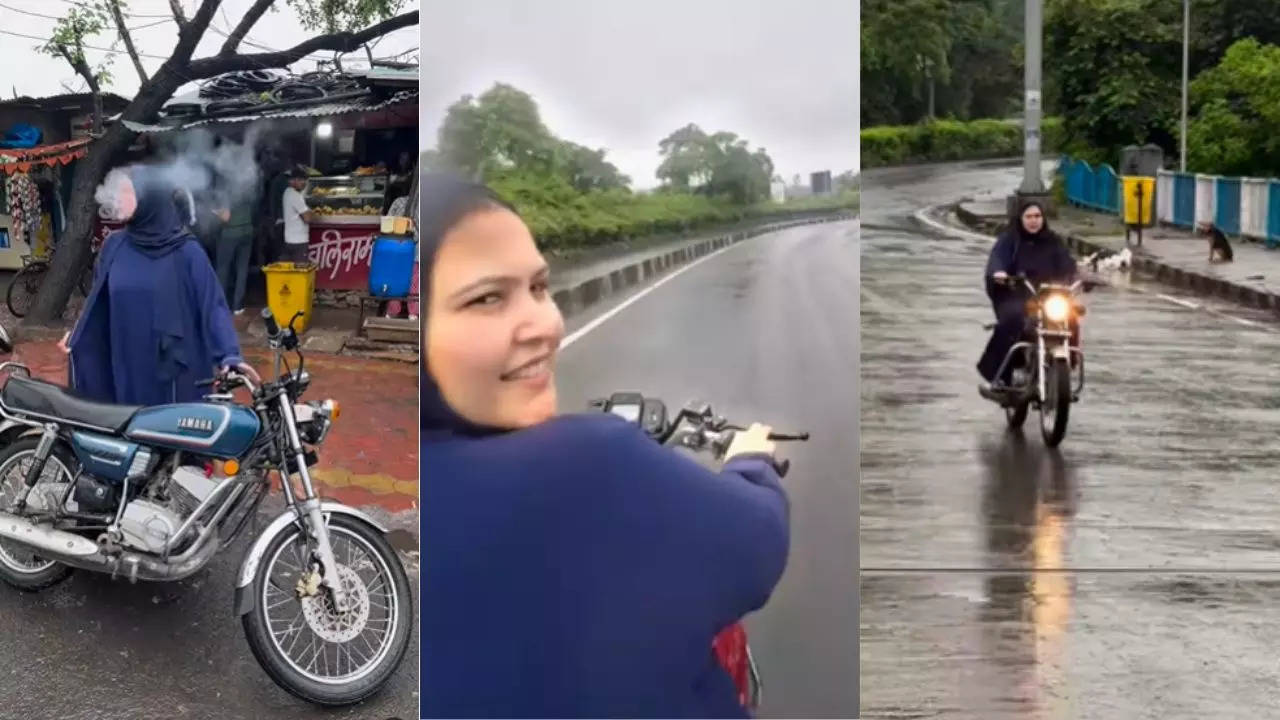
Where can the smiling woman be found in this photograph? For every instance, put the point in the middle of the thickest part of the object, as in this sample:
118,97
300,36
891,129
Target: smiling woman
571,566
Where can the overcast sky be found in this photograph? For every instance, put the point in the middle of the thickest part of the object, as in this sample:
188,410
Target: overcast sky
622,74
28,72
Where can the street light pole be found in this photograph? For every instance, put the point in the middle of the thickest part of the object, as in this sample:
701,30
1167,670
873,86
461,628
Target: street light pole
1032,184
1186,43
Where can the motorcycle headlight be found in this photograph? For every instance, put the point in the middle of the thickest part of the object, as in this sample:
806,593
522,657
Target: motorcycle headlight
1056,308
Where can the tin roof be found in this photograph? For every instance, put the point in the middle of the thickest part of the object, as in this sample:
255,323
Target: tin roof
367,103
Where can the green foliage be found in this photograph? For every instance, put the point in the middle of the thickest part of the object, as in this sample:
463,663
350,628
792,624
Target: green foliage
1237,108
76,29
967,50
1117,68
721,164
332,16
563,219
950,140
572,197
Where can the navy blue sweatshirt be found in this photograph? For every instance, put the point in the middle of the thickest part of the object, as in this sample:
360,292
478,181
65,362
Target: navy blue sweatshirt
578,569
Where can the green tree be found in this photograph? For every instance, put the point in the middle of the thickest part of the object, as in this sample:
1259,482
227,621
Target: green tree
588,170
1237,108
687,158
1116,64
500,129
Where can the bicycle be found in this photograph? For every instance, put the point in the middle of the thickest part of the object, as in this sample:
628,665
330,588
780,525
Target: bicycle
26,283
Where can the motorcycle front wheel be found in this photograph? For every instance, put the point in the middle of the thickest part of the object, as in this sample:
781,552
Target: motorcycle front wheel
1055,407
302,641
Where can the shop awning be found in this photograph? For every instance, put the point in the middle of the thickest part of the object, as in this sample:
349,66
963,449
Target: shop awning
15,161
367,103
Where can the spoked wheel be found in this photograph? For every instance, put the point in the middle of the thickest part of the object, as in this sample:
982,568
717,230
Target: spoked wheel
1056,404
21,566
23,288
300,638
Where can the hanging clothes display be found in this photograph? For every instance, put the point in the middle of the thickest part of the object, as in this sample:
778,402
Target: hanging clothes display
24,204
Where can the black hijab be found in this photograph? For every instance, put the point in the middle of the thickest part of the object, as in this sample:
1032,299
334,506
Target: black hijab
1043,233
444,201
155,227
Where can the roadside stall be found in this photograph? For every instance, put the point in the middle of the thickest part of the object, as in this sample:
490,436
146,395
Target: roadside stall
31,207
357,134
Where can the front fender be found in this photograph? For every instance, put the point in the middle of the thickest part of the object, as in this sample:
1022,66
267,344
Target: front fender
244,599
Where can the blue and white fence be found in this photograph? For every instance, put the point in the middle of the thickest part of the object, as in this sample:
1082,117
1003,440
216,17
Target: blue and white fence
1246,207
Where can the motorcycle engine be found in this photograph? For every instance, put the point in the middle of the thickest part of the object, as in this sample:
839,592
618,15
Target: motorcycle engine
147,524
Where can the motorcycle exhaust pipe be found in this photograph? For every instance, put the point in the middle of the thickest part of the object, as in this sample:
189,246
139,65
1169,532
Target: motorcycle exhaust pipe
55,542
79,552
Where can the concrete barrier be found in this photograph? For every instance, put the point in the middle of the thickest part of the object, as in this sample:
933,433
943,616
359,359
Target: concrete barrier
581,296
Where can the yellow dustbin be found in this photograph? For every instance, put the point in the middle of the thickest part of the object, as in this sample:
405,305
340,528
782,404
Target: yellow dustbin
1130,185
291,289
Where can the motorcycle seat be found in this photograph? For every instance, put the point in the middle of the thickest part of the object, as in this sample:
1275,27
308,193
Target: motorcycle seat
40,400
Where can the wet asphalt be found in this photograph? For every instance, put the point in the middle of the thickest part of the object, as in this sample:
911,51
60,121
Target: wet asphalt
765,331
93,648
1130,574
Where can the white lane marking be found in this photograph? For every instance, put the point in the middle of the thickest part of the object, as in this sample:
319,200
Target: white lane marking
582,331
922,216
1177,301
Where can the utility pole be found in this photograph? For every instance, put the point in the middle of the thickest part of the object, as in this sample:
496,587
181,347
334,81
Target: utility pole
1032,184
1186,52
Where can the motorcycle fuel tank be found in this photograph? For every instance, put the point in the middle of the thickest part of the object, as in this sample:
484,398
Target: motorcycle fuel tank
220,430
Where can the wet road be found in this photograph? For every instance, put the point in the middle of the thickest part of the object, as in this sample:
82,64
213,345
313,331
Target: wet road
764,331
1131,574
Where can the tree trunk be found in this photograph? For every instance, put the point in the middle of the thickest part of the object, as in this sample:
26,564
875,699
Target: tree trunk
97,110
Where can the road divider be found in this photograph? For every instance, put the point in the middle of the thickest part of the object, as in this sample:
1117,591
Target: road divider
583,295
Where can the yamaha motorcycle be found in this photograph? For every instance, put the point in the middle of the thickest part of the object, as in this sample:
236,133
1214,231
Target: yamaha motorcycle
698,429
1050,375
129,491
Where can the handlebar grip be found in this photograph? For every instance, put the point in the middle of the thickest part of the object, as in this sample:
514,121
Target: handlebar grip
785,437
206,381
270,321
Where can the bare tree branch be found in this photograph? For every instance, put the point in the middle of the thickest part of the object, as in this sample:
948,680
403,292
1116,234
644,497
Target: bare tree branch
128,39
337,42
82,69
178,14
260,7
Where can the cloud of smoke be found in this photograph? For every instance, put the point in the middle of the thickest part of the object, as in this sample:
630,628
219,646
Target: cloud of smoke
195,163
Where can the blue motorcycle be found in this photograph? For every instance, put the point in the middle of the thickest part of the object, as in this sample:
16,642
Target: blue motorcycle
129,491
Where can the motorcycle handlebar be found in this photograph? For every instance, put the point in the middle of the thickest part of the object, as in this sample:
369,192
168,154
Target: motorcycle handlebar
269,320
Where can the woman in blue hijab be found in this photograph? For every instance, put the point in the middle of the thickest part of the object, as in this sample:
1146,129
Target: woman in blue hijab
156,320
571,566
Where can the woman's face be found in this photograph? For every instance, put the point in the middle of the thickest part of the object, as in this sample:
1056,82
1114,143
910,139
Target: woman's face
1032,219
492,330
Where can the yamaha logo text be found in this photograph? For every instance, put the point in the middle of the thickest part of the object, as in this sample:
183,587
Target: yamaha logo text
201,424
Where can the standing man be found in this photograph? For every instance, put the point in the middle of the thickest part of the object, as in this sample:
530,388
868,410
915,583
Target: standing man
297,219
233,251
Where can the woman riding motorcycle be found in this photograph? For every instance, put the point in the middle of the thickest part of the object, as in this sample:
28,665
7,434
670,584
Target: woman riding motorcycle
1028,247
571,566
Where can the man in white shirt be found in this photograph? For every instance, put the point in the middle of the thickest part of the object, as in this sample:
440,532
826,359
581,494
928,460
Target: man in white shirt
297,219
